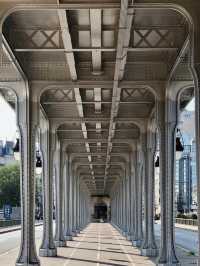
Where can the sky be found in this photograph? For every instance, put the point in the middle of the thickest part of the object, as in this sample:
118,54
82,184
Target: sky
190,106
7,121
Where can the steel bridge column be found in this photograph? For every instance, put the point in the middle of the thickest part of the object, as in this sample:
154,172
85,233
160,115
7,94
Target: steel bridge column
124,206
149,247
133,195
118,207
77,204
67,223
121,206
137,238
28,126
74,204
128,199
167,125
59,165
70,197
48,248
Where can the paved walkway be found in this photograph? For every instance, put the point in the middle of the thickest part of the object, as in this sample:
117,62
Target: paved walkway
98,245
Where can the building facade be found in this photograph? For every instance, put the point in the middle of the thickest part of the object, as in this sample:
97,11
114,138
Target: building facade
184,195
6,153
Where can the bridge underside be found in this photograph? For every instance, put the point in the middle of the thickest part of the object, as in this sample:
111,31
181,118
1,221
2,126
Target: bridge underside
99,85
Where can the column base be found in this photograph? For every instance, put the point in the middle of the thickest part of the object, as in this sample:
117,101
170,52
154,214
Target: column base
120,231
136,243
25,264
47,252
128,237
169,264
169,259
78,231
60,243
68,238
149,252
124,233
74,234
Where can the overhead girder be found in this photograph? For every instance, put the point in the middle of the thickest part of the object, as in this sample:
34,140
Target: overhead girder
118,138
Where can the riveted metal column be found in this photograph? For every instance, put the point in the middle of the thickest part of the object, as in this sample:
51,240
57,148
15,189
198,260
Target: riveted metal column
84,210
27,121
197,127
80,209
65,207
80,206
112,210
139,206
121,206
77,204
117,206
133,196
149,247
88,208
124,206
152,248
59,166
116,210
48,248
145,184
137,191
167,125
71,203
84,218
118,203
74,204
67,230
128,199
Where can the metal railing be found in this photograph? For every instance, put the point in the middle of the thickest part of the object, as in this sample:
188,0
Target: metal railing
187,221
6,223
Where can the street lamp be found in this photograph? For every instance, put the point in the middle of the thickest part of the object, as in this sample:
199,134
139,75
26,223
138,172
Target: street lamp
179,145
16,150
38,163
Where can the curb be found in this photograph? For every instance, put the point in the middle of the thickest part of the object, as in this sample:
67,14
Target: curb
189,229
15,229
182,228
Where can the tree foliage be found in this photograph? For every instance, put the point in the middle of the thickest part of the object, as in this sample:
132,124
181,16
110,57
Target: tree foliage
10,185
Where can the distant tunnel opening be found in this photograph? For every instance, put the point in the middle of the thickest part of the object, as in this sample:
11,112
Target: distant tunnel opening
100,212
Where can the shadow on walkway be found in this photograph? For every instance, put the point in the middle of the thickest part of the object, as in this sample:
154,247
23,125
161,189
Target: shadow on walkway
91,261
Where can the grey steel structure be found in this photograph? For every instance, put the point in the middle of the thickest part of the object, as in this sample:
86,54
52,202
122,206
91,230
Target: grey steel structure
184,195
97,79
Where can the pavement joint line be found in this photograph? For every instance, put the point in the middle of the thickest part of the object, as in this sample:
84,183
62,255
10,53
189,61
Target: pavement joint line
123,248
8,251
99,246
75,249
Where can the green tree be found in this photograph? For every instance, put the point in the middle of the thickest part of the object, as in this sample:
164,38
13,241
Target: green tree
10,185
